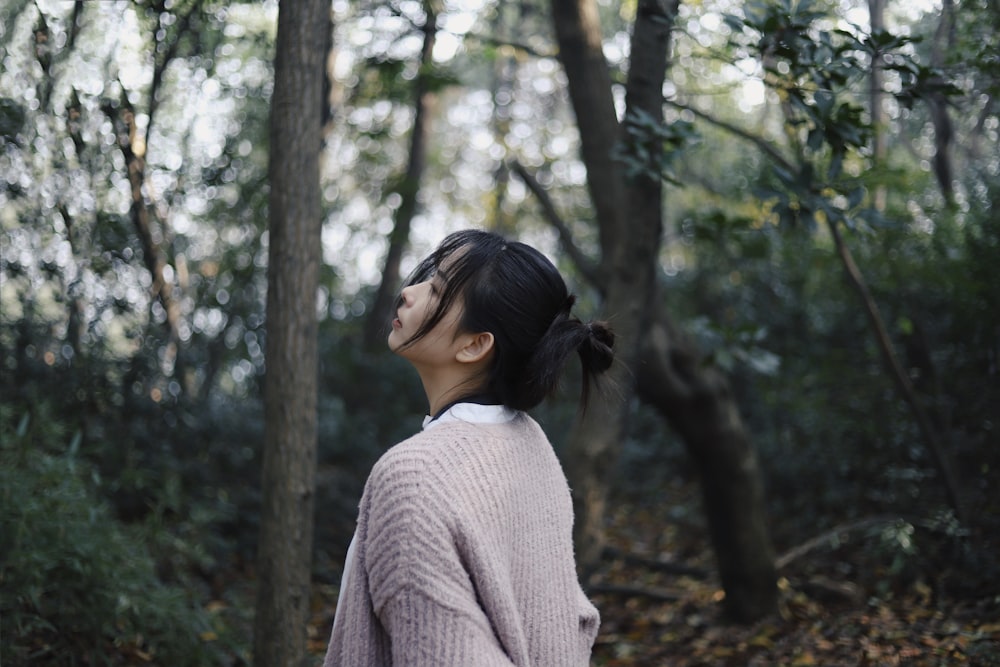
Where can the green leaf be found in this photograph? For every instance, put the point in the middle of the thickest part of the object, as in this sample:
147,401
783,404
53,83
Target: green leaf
815,139
856,196
836,164
824,101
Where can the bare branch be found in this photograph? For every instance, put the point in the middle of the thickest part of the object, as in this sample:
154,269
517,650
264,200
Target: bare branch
587,268
930,436
830,536
761,143
489,40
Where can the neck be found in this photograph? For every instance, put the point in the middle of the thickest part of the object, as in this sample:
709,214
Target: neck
443,388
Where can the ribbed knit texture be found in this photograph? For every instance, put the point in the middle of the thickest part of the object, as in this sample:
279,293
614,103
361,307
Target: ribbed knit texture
464,556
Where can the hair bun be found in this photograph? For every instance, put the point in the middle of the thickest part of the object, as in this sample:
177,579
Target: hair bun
597,347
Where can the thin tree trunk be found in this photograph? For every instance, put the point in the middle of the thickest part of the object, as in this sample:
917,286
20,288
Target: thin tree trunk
501,93
122,117
879,118
937,103
76,323
134,145
939,455
284,554
409,189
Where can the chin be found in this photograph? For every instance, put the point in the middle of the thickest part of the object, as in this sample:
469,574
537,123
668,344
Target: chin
393,341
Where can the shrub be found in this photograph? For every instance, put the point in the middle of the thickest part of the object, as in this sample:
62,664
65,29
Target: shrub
76,585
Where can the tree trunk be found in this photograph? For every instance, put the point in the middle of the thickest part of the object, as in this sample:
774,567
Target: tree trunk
937,103
594,439
879,118
581,52
284,555
409,188
700,406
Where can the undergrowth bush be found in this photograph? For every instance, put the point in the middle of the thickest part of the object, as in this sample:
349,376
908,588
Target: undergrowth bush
76,585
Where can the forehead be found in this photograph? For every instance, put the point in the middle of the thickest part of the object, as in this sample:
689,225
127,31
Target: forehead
449,260
457,260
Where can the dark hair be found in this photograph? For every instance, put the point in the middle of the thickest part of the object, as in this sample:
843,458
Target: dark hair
512,291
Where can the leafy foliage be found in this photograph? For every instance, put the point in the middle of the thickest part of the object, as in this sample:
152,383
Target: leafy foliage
76,582
816,72
651,147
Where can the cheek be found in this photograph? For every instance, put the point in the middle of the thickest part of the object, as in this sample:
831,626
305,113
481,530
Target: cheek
427,311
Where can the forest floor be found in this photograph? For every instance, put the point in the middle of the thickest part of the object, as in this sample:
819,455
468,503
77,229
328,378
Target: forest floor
855,595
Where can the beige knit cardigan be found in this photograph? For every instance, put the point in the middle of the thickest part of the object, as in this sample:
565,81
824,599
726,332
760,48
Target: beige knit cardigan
463,556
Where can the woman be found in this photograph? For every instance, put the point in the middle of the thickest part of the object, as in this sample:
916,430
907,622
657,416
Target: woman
463,551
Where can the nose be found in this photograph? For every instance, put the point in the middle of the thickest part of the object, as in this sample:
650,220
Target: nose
405,296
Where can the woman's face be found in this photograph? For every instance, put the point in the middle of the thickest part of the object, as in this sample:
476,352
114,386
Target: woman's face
417,303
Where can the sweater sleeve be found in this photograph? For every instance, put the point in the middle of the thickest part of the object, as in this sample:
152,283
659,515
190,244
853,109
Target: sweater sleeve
420,588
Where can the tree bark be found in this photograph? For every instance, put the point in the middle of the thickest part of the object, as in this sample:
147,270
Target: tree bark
581,52
879,118
937,104
284,555
696,401
595,437
409,188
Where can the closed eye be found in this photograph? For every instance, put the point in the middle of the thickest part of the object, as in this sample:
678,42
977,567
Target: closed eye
438,282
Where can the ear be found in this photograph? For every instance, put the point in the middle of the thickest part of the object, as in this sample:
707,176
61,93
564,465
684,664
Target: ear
475,348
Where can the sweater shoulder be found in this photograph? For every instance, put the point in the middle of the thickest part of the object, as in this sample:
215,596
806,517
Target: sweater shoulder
406,467
434,461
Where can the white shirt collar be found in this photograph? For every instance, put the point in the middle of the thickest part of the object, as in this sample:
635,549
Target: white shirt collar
473,413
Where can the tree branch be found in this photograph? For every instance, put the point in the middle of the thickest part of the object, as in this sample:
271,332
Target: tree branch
762,144
122,118
587,268
496,41
898,374
834,533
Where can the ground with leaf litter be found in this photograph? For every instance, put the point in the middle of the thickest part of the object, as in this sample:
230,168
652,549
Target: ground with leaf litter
854,595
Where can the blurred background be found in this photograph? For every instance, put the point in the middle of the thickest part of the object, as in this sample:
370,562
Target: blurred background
799,140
